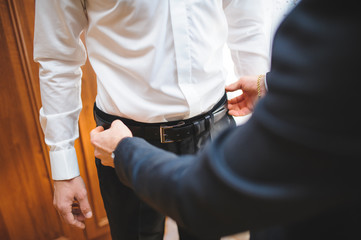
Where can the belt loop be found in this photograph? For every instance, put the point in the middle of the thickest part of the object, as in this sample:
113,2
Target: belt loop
197,128
209,121
211,124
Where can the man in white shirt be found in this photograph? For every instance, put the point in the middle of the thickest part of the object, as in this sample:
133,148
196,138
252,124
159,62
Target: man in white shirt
159,67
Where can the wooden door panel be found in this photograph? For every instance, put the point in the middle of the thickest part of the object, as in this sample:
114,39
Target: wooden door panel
26,210
26,202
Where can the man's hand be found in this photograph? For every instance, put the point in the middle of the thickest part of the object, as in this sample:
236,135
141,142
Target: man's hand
244,104
71,201
105,141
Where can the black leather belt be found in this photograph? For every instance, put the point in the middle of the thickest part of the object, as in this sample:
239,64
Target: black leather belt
168,132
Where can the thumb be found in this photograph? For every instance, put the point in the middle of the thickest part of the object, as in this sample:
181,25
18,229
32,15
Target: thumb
117,123
94,133
233,86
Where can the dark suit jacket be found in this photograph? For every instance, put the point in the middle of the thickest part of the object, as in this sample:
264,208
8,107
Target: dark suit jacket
293,170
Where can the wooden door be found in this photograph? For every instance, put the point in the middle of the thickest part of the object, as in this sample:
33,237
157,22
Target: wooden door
26,187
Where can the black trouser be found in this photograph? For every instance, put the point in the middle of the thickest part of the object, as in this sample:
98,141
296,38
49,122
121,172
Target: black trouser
129,217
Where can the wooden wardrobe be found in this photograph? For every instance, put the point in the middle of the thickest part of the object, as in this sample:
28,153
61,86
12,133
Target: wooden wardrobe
26,187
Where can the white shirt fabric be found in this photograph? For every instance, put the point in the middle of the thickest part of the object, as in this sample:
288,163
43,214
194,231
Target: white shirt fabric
155,61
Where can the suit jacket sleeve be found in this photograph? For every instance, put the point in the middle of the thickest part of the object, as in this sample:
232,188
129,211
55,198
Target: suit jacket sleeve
298,154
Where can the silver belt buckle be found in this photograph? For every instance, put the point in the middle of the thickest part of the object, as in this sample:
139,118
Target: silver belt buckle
163,134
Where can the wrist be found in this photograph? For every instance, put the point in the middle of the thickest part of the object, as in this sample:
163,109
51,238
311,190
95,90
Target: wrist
121,140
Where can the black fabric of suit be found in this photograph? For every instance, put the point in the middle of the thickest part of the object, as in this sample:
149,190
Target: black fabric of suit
293,170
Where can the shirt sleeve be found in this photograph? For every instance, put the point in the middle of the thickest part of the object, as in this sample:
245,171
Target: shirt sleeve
60,53
249,40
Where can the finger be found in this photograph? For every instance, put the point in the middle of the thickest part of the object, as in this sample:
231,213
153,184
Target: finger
96,130
80,217
70,219
236,99
235,113
85,208
233,87
97,153
107,161
238,107
234,108
239,112
94,133
66,212
232,113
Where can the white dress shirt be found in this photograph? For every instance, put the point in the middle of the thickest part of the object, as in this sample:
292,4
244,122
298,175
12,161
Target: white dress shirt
155,61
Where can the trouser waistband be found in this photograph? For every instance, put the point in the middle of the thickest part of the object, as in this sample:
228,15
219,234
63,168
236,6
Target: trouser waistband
167,132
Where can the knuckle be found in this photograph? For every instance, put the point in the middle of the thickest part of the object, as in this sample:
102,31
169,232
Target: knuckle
96,153
61,208
72,222
57,205
104,162
92,138
85,209
82,194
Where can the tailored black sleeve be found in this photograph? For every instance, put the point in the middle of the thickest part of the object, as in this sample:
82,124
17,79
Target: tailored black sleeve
233,185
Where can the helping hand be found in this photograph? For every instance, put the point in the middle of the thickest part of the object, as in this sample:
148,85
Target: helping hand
105,141
244,104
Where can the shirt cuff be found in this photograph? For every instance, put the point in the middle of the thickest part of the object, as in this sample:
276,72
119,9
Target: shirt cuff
64,164
265,82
